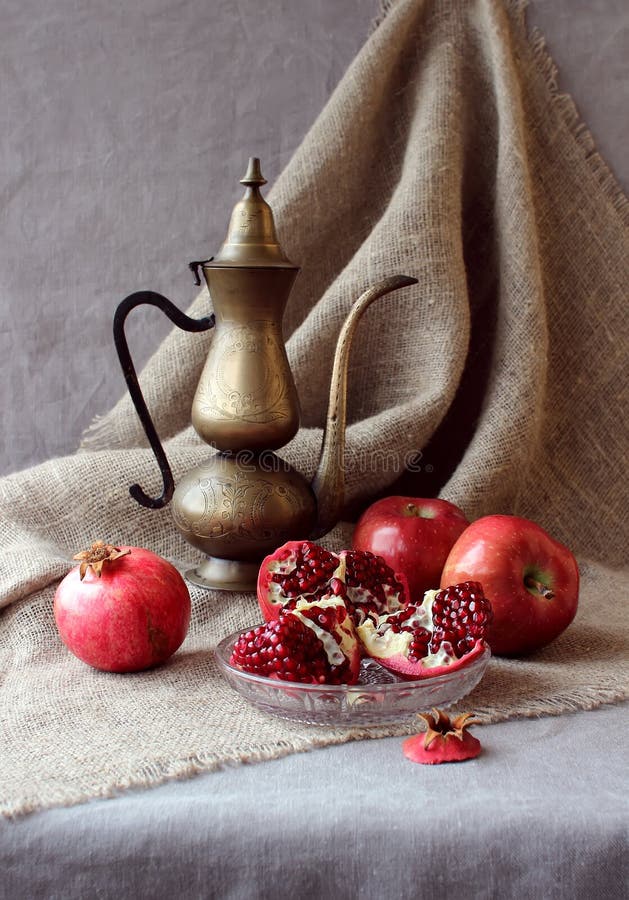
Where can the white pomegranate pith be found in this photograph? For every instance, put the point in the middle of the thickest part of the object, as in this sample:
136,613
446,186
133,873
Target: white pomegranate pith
334,652
383,642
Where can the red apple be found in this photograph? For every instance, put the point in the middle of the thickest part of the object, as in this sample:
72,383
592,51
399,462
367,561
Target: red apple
531,580
413,535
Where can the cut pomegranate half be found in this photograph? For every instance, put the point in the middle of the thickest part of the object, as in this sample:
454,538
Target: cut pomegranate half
304,570
461,615
312,643
297,569
445,633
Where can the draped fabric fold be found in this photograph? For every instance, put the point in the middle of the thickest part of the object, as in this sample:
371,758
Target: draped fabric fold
445,153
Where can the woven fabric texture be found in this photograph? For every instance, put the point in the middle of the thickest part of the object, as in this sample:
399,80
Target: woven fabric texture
445,153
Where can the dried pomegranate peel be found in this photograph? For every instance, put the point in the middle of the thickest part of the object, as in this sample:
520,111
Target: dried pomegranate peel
445,740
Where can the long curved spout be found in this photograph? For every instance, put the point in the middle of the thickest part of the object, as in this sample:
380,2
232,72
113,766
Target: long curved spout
329,482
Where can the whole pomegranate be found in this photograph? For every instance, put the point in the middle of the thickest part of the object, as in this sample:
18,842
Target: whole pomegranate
123,609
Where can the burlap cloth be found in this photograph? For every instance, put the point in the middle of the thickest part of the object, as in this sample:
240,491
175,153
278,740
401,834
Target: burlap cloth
445,153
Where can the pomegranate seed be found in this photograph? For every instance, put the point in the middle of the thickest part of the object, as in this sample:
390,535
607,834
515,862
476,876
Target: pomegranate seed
461,615
371,584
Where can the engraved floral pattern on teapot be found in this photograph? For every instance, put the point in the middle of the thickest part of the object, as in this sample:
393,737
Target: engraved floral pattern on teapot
221,393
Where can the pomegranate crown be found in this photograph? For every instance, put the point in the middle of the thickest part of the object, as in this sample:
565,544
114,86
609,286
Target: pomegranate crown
440,725
96,557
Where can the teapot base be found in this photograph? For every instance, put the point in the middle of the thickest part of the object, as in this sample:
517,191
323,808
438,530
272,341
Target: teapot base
224,574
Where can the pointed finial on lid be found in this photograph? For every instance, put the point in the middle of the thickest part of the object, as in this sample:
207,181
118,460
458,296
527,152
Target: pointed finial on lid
251,238
253,177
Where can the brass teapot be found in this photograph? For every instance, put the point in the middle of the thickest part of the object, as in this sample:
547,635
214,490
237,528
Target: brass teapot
245,501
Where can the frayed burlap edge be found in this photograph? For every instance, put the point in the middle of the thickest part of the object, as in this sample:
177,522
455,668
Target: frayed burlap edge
203,763
566,106
561,101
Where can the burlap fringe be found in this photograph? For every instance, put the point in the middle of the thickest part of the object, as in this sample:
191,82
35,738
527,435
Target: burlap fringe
178,770
566,106
385,7
95,436
204,763
562,102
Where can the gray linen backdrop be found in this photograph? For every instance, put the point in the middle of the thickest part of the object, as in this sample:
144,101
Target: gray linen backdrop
445,153
112,180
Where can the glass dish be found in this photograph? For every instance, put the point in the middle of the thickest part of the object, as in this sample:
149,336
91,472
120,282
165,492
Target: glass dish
379,698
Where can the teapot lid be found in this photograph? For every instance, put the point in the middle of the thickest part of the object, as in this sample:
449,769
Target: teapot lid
251,239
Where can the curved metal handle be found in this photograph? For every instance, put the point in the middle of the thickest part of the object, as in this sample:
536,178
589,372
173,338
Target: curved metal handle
181,320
